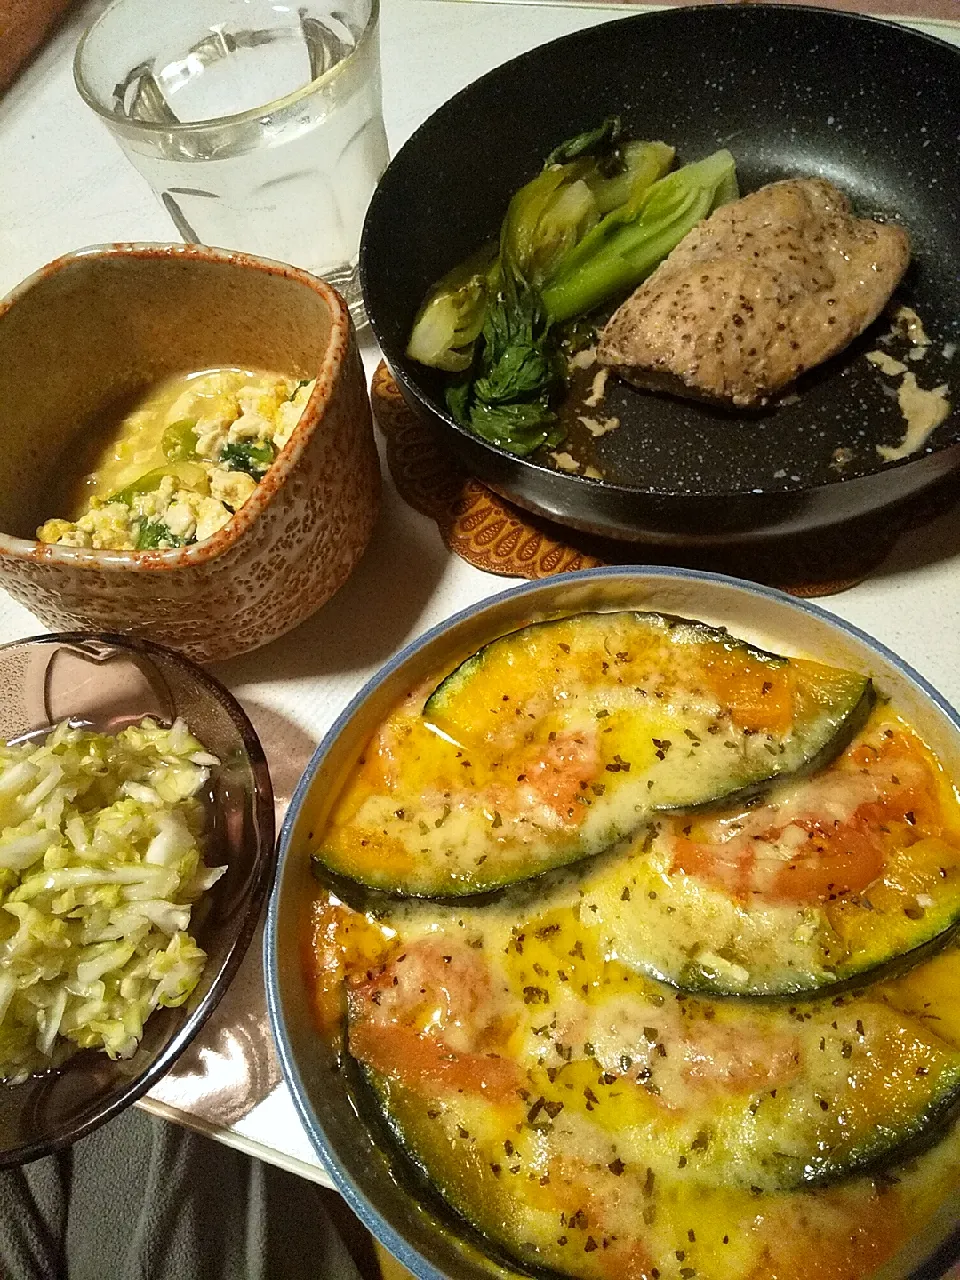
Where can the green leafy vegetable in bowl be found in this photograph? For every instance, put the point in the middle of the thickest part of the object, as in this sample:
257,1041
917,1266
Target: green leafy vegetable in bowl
590,227
100,865
179,441
152,534
252,456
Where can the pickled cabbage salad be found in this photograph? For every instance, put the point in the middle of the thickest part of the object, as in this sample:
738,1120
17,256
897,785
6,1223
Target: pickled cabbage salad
100,864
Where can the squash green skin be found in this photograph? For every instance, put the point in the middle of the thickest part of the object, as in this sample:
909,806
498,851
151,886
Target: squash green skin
872,1083
474,855
447,1166
456,1173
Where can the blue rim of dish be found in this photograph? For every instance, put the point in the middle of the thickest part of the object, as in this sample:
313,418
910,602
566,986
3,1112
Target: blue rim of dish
946,1253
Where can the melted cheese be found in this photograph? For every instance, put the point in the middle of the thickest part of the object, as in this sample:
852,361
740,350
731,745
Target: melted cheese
597,388
554,743
556,1097
590,1118
579,1111
907,324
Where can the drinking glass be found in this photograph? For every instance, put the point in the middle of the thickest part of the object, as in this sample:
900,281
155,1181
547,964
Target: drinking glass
258,124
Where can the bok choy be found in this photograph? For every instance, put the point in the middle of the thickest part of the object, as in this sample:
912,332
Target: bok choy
592,225
621,251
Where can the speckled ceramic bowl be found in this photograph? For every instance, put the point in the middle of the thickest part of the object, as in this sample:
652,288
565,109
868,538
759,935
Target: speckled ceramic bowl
95,327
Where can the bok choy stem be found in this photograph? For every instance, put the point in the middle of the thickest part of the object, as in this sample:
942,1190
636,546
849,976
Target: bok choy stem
593,224
621,251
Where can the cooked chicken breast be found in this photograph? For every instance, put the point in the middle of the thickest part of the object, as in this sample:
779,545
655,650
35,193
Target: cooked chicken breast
762,290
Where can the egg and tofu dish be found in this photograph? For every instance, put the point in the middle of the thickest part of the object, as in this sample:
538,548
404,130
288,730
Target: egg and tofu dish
178,467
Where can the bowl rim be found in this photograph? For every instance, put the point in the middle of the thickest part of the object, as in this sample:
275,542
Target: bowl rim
327,380
399,363
264,819
364,1208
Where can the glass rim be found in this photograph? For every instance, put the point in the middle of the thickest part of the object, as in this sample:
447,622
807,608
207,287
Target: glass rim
238,118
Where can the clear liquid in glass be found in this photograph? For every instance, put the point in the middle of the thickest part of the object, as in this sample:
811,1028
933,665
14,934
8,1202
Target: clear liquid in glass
290,182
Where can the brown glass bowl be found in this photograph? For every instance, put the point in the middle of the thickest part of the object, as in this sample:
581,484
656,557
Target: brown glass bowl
87,334
107,682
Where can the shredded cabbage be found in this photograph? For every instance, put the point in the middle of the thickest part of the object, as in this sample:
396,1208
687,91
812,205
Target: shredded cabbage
100,865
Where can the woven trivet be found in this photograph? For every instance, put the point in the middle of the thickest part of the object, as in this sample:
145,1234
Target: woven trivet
492,534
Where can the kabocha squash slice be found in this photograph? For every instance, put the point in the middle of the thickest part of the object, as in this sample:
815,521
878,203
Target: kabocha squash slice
552,1095
554,742
826,879
671,1226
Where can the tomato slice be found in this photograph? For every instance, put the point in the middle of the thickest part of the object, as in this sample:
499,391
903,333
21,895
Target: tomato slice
562,768
433,1020
426,1064
849,1234
740,1058
630,1261
817,857
832,861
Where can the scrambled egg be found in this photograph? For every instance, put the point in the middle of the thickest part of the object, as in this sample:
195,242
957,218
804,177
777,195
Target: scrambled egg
185,467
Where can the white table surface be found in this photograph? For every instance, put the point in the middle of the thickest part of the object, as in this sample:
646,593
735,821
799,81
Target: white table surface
64,184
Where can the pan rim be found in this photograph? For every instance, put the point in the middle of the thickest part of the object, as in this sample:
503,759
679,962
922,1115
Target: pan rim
425,405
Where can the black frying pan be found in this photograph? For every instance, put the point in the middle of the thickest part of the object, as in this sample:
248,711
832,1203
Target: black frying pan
792,92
